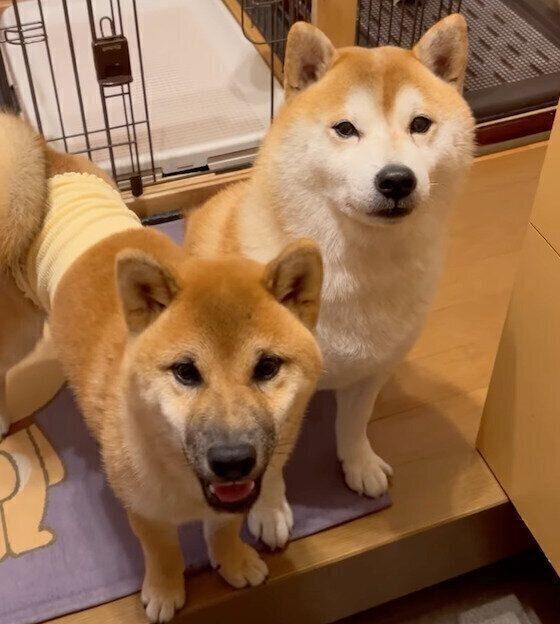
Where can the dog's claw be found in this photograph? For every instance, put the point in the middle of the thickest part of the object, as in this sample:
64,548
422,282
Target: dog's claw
367,474
242,567
271,524
161,602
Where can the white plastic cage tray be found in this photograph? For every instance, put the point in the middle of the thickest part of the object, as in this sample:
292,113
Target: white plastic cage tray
208,90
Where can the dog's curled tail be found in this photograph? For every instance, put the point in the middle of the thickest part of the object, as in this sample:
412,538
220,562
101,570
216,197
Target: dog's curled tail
23,187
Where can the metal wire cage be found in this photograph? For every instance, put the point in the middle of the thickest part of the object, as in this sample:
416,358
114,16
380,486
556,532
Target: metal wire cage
401,23
101,109
123,140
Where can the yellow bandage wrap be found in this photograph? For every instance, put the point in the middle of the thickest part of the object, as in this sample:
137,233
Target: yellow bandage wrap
83,210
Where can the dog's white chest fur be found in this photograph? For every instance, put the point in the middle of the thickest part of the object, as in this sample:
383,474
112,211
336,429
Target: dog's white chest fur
378,283
371,312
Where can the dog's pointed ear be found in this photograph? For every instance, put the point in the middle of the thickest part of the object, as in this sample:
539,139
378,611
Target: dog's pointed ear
309,54
444,49
295,278
144,286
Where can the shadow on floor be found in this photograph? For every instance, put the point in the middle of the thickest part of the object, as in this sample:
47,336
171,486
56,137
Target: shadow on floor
526,579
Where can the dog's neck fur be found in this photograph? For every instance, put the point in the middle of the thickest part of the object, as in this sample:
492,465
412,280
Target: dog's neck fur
383,276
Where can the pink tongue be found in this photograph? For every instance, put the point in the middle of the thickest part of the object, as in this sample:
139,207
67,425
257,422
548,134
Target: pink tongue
232,492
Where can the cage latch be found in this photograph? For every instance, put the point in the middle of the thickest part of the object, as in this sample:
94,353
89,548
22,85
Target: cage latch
112,60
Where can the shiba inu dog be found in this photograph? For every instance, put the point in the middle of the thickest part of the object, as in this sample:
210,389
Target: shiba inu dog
365,157
192,374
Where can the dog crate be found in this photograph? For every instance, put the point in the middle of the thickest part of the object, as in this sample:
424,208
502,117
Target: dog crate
153,91
514,60
147,90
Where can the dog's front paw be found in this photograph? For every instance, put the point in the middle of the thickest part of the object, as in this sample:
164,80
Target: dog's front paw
241,566
366,473
271,524
162,598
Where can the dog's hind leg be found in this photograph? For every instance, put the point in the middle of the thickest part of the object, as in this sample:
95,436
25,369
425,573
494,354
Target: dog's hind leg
365,472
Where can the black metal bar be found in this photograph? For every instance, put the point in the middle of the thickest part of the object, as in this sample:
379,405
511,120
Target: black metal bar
390,34
27,26
81,134
272,32
28,71
91,18
53,78
380,17
370,7
103,147
7,98
403,6
141,62
120,15
122,93
413,35
24,41
134,130
113,14
421,18
357,25
76,76
108,131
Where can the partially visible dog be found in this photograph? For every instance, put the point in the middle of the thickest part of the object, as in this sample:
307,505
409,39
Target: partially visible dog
192,374
25,165
365,157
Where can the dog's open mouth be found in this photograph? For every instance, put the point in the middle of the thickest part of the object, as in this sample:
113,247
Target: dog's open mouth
233,496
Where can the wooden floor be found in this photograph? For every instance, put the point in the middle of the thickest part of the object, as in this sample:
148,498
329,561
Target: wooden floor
449,513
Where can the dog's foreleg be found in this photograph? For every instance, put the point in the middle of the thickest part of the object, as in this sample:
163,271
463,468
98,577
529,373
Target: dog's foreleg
237,563
364,471
163,589
271,519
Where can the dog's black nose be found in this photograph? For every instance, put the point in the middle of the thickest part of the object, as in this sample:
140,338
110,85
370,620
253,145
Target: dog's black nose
395,181
232,462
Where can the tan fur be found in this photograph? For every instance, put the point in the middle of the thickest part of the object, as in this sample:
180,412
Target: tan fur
126,313
23,189
308,180
26,162
225,311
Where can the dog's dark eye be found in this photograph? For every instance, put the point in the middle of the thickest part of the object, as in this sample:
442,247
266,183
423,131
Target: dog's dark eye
420,124
267,367
345,129
187,373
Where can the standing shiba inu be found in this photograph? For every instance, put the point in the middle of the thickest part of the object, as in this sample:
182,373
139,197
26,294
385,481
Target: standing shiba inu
192,374
365,157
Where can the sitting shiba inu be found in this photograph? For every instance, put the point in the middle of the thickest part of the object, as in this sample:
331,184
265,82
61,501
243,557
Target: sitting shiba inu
365,157
192,374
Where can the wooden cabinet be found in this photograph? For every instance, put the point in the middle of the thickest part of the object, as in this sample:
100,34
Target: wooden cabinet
520,431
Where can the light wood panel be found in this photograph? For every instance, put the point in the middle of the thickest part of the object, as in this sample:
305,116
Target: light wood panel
449,513
181,194
520,432
337,19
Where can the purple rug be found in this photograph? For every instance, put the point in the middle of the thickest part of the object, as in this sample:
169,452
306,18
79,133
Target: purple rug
68,546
